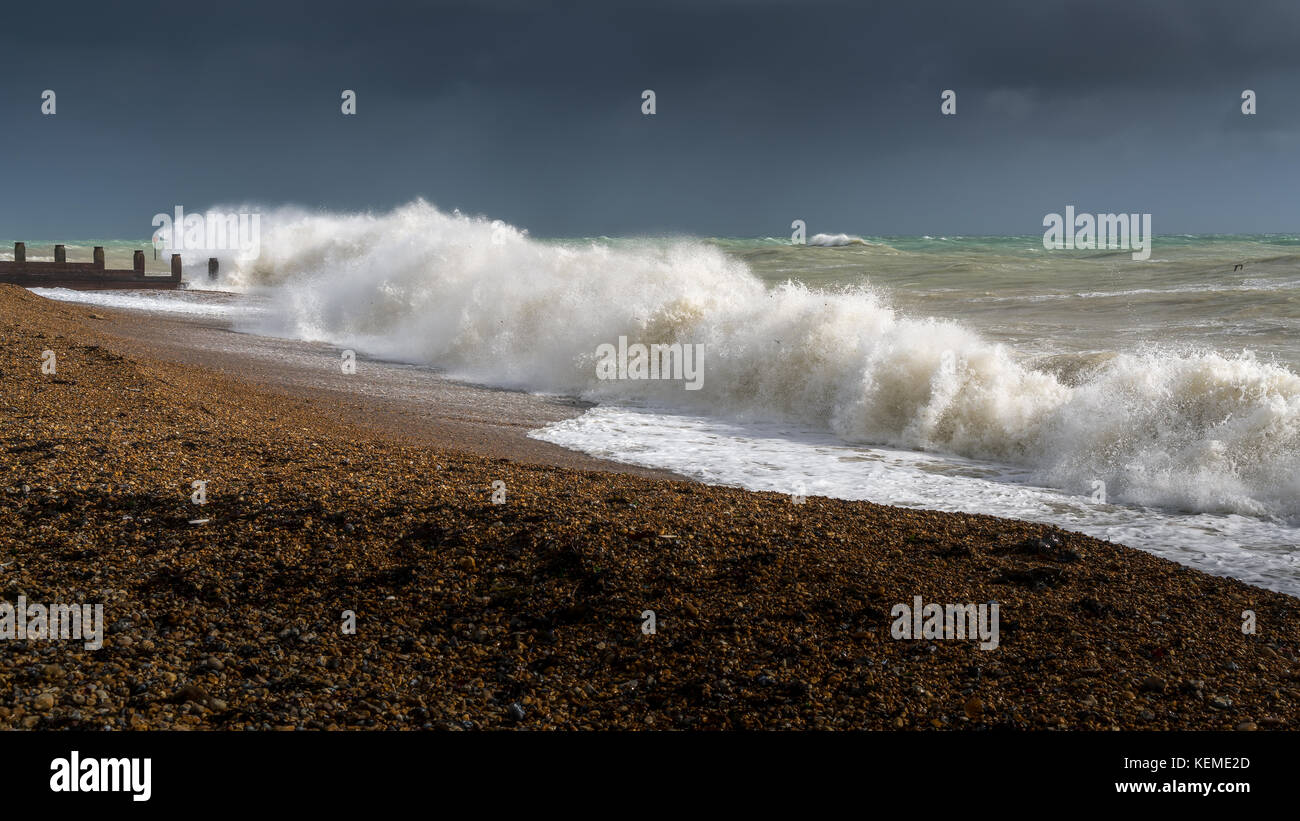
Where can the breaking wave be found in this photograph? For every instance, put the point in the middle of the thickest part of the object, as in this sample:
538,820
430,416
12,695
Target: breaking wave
1202,431
835,240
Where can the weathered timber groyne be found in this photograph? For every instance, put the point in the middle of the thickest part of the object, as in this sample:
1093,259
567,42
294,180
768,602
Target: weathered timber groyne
83,276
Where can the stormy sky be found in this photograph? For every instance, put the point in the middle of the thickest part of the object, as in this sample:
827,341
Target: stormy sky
766,112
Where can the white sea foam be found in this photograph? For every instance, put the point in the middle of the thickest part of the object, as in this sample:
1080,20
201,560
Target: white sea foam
167,302
789,459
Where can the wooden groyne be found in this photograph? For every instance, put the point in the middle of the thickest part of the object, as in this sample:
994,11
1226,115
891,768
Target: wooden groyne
84,276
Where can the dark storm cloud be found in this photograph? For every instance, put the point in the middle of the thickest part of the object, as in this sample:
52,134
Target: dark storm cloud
768,112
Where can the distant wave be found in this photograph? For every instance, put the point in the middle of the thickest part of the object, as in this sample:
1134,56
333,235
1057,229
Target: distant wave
1246,286
834,240
1207,431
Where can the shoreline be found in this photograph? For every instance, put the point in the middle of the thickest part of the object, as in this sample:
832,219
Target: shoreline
397,401
420,403
528,614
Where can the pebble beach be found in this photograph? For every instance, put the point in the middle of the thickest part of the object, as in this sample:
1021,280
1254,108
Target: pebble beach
528,610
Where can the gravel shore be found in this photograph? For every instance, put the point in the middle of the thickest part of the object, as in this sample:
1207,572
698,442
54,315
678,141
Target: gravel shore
529,614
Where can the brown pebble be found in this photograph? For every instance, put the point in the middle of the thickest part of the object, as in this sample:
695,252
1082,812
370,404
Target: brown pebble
191,692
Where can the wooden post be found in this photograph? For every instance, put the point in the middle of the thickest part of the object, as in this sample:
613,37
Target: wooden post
20,252
212,267
176,267
137,262
60,253
99,257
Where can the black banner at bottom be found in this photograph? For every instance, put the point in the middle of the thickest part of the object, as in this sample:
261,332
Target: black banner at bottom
613,772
